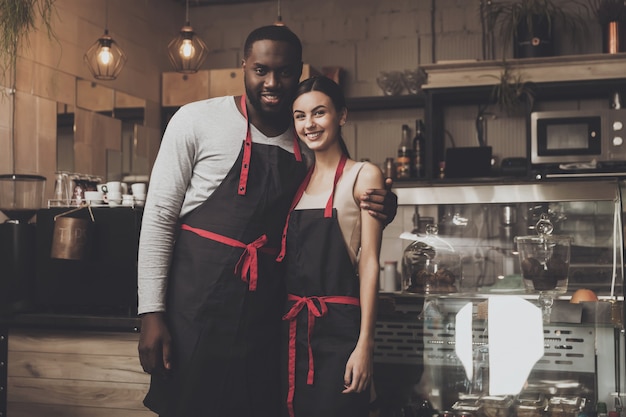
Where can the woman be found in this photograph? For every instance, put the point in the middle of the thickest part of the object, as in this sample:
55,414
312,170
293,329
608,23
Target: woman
331,307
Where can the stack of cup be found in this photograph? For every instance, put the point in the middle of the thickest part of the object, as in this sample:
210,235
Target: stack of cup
128,200
114,193
139,190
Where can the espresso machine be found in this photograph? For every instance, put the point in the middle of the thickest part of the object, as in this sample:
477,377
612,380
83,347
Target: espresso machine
20,198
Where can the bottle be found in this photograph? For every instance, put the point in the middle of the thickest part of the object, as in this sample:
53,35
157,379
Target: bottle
389,168
390,279
405,151
418,150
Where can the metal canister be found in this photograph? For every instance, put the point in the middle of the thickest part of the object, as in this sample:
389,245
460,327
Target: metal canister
71,236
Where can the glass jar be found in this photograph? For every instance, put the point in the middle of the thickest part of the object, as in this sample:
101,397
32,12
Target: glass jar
430,265
544,259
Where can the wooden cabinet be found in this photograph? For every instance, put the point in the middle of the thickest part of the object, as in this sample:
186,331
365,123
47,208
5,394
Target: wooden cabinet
71,373
178,89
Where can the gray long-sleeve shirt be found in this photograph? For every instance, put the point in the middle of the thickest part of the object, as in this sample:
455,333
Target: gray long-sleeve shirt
199,147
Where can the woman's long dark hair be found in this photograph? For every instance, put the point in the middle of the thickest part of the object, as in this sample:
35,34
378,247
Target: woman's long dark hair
325,86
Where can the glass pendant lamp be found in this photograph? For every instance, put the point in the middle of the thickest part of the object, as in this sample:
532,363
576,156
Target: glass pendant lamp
187,51
105,59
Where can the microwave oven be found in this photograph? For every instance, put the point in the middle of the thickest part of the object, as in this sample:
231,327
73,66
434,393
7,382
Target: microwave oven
578,136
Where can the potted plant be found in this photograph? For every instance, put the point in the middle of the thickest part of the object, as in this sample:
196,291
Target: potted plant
530,23
611,14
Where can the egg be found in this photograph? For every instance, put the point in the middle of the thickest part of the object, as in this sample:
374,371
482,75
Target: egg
583,294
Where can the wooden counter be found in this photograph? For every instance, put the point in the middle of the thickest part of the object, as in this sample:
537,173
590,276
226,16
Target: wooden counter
71,366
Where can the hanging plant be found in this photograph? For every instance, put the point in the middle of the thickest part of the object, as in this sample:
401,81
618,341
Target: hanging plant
18,18
512,94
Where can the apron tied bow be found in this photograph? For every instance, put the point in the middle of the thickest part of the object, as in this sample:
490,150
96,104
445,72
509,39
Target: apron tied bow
248,263
313,311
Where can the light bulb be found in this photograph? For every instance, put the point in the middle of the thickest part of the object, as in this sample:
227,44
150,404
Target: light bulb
186,49
105,56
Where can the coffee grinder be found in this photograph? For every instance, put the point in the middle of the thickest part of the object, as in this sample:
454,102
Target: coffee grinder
20,198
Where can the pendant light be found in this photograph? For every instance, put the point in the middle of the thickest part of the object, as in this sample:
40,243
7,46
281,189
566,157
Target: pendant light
187,52
279,17
105,59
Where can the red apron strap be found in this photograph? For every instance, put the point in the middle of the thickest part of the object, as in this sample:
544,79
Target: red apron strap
312,312
248,262
328,211
247,151
296,147
296,198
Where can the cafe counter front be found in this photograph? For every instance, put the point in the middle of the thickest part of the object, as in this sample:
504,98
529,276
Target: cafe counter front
445,344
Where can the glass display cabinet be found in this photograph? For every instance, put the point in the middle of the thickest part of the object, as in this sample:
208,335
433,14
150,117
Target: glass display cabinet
471,333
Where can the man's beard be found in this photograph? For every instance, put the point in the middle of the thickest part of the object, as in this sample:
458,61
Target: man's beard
277,115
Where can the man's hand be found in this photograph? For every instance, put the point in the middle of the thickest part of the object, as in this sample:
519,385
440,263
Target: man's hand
381,204
155,344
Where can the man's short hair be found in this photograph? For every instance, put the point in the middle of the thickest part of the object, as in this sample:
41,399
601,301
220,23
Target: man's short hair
273,33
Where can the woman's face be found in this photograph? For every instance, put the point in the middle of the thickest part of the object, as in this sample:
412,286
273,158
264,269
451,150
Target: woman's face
316,120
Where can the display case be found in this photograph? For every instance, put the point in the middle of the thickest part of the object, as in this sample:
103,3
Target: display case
485,344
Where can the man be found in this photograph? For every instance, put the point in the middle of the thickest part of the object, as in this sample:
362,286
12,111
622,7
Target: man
210,291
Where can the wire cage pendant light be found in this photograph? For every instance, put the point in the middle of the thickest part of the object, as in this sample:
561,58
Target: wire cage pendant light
187,51
105,59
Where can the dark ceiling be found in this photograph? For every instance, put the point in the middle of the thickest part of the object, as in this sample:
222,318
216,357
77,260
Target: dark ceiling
202,3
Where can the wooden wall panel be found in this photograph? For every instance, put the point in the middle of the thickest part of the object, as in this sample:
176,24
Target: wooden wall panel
95,133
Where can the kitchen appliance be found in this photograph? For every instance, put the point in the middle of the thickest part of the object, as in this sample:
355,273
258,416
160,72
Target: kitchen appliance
20,198
468,162
578,140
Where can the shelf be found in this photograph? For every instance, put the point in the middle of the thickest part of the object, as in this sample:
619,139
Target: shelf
606,190
538,70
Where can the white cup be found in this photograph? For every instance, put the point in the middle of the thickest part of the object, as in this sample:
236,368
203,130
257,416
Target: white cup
94,197
114,187
139,188
128,200
140,200
115,198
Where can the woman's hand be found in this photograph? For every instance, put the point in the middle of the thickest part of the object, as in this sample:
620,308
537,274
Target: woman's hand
359,369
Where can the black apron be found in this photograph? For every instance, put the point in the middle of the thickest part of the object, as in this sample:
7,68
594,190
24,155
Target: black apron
225,292
322,320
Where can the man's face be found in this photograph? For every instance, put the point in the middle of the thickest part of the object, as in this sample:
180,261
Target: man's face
271,74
